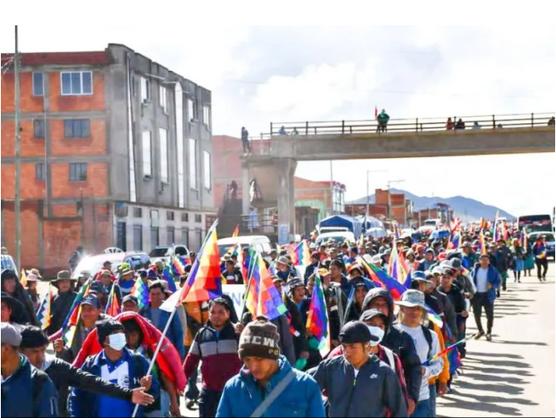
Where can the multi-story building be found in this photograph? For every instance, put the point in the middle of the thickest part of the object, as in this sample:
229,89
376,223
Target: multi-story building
115,150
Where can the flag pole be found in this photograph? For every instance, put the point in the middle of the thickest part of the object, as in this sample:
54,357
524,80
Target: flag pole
249,281
183,293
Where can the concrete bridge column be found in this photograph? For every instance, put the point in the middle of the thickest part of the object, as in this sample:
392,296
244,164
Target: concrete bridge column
285,199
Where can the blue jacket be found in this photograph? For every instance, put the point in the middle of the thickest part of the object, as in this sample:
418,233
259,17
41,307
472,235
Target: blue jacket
301,398
29,392
175,332
85,404
493,278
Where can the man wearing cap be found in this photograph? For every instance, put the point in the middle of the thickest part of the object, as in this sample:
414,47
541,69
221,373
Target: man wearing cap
359,384
378,325
503,257
231,273
90,314
34,296
116,364
487,280
469,257
283,269
126,280
62,302
267,385
215,345
413,312
26,390
33,345
439,301
428,261
159,317
130,304
398,341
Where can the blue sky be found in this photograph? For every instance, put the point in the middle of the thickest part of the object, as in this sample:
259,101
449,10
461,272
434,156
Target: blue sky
303,62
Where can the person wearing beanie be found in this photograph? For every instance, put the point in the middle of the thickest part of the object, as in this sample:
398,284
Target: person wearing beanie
267,385
114,363
413,312
33,345
358,383
26,390
216,346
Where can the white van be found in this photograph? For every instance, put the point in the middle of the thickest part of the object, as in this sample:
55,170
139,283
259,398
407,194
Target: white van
261,243
339,237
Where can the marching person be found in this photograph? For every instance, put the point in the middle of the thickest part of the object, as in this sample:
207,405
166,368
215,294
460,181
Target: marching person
114,363
33,345
267,385
26,390
413,312
12,286
539,251
62,302
487,280
215,345
359,384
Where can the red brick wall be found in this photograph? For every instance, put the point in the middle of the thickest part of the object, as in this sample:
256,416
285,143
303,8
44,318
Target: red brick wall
59,103
96,184
93,145
30,188
28,102
30,146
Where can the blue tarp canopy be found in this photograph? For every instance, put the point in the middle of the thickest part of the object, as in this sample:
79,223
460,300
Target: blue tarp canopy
344,221
370,222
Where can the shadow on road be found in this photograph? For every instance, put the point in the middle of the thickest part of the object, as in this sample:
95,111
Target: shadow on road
519,342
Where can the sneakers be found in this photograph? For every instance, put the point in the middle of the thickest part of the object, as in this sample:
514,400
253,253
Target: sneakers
489,337
191,404
479,335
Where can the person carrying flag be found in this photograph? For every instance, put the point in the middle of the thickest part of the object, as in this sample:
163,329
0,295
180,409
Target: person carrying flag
215,345
89,315
159,317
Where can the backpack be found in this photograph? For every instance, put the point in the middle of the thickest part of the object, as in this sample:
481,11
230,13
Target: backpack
428,337
38,380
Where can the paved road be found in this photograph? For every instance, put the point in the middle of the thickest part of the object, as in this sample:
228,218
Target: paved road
514,374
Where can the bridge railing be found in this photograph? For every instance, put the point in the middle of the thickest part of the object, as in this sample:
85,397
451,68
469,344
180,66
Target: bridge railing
347,127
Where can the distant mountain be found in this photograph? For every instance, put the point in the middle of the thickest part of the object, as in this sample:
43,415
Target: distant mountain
464,208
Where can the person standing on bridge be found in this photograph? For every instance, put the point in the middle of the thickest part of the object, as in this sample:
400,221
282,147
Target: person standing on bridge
382,119
245,140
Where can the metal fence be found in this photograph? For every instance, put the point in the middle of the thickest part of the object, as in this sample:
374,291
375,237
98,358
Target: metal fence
347,127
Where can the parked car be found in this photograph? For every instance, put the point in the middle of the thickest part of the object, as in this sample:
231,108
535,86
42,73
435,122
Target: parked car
548,240
93,263
164,253
260,242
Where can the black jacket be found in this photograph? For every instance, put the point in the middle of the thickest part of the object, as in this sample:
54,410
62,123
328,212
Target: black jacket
400,343
64,375
455,295
60,309
374,391
447,309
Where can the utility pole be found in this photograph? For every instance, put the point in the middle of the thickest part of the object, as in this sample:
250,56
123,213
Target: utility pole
388,183
331,190
17,203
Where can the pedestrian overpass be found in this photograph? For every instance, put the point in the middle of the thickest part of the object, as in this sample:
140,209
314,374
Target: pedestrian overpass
275,155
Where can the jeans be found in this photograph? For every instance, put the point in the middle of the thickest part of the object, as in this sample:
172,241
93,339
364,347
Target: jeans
432,399
423,409
208,402
541,263
479,301
192,391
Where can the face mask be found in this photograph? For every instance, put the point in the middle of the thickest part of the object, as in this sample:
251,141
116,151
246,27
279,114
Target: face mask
117,341
376,332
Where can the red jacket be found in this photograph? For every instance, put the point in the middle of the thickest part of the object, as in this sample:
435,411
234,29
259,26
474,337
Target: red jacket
218,351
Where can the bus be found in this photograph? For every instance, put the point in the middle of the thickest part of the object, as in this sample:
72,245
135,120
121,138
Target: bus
533,223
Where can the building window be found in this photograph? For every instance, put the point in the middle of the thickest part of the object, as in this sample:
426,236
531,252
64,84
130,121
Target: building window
145,89
170,238
198,218
38,128
191,109
163,155
185,217
155,238
192,163
78,171
38,84
206,173
163,102
206,116
39,172
77,128
185,236
137,212
146,151
76,83
200,236
138,237
169,215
